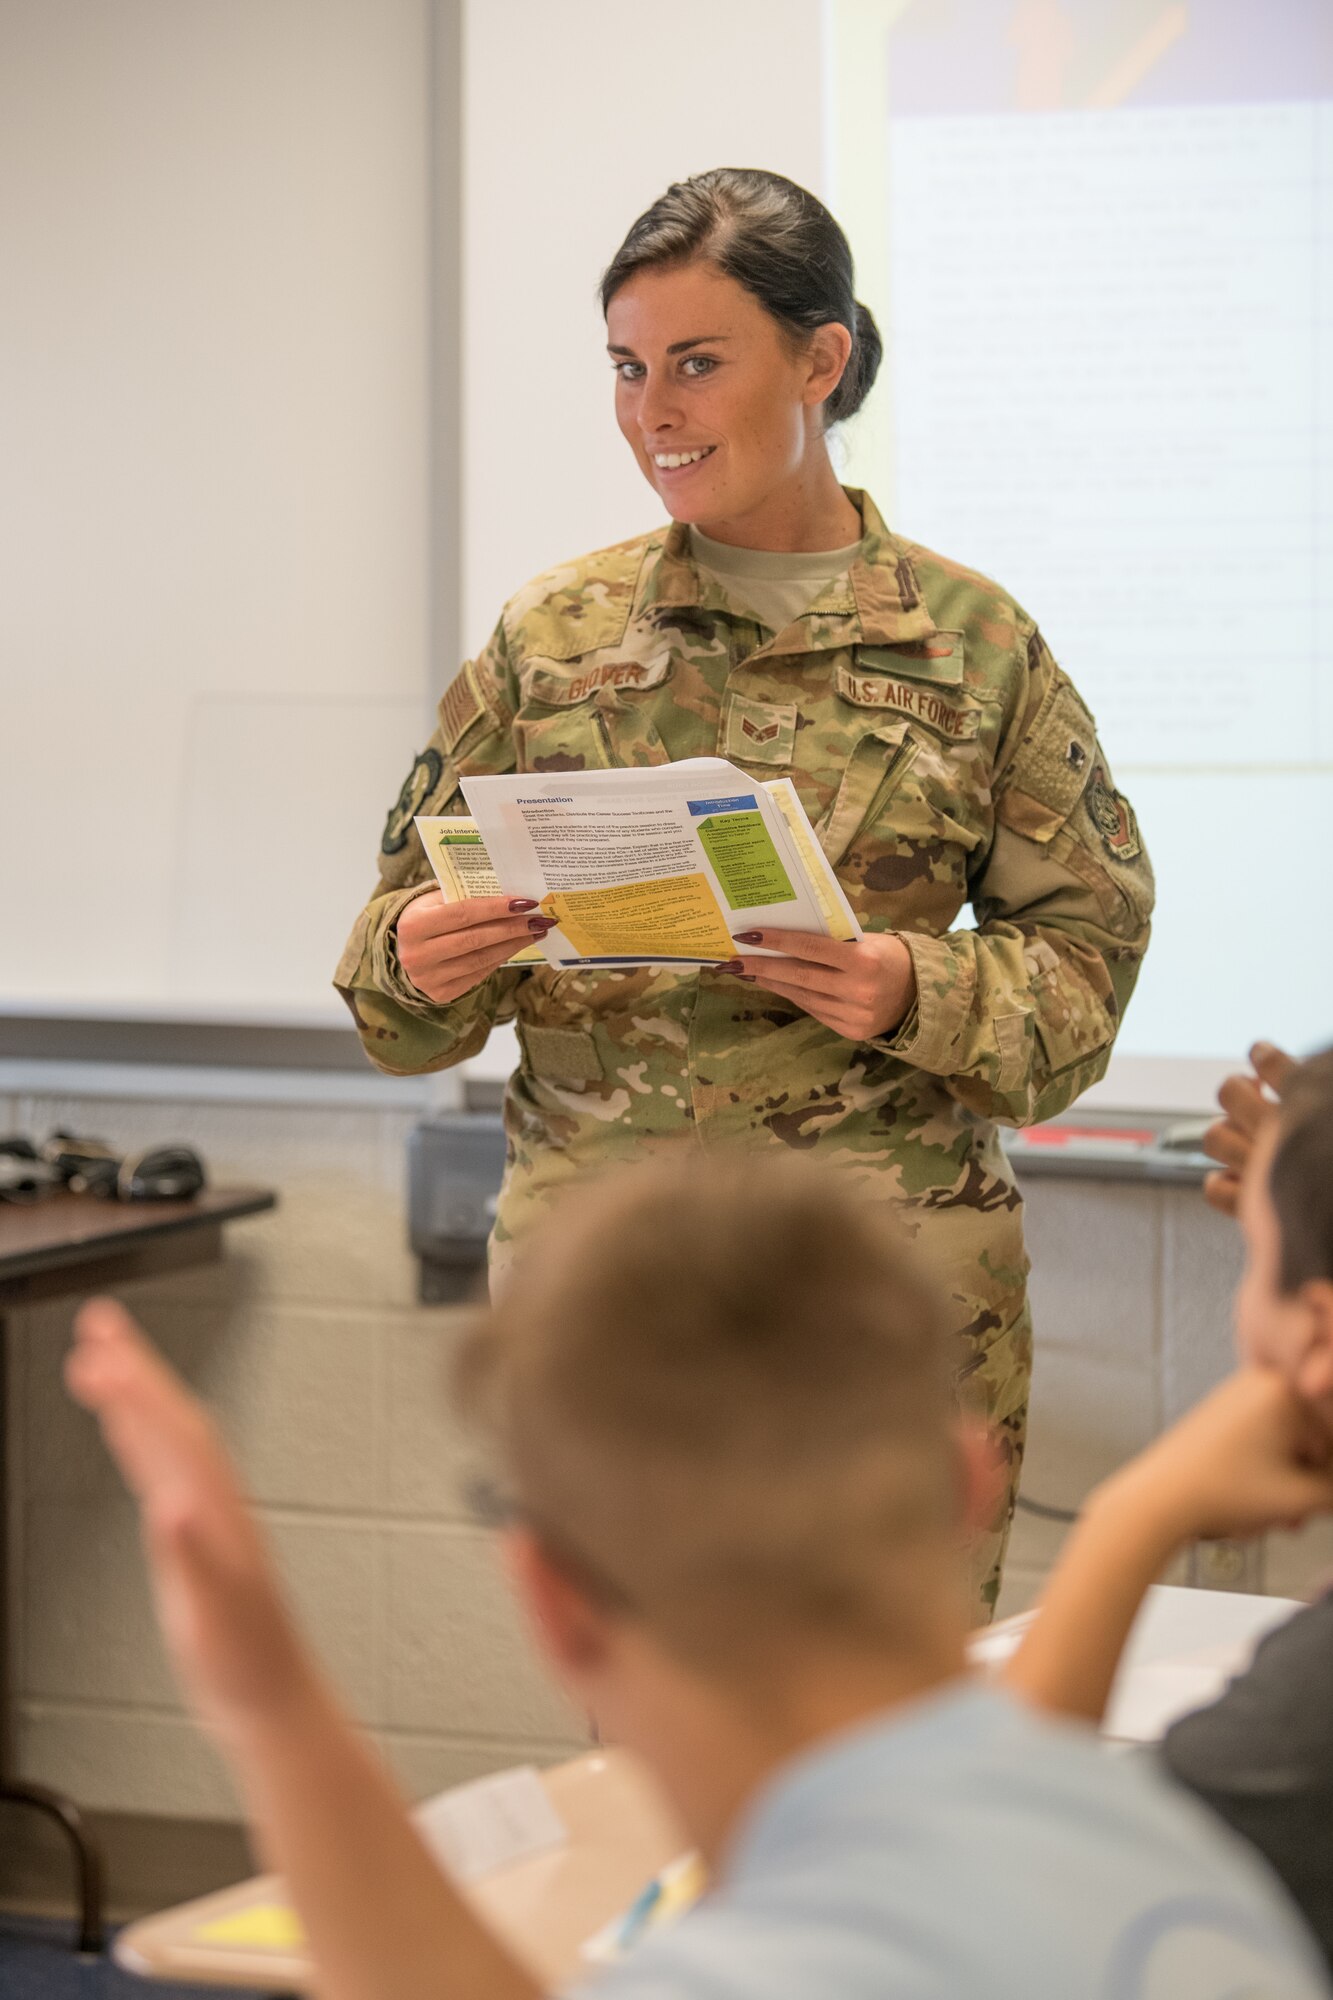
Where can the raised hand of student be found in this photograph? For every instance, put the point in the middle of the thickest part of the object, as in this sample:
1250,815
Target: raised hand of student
859,990
382,1921
218,1602
1247,1103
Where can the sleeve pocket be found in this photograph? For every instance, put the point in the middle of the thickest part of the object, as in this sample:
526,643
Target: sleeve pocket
1050,774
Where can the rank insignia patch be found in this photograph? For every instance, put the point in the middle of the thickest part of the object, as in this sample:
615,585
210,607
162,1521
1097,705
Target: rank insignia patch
755,733
1113,817
421,781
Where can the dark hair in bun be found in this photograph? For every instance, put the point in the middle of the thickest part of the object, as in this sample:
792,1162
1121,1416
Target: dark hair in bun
776,239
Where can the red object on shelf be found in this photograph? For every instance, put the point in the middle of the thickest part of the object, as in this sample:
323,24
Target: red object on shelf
1064,1135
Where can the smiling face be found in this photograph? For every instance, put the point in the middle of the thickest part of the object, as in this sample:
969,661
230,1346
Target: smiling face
720,406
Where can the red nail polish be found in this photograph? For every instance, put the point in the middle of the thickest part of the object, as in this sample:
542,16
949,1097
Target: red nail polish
522,903
748,937
540,925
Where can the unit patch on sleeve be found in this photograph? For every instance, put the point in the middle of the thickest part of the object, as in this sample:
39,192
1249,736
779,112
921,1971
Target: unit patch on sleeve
1113,817
420,782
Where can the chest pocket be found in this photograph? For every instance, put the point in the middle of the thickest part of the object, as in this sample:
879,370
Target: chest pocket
948,804
590,714
877,766
921,683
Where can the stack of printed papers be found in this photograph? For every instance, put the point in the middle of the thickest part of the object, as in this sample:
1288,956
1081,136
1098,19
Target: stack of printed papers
654,866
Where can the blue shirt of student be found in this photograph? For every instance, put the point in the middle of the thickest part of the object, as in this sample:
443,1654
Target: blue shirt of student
964,1848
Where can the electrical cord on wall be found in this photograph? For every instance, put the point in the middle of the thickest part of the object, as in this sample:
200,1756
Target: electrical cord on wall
1043,1512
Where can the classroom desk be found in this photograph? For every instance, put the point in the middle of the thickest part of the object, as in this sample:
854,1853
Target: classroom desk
69,1246
1184,1647
620,1836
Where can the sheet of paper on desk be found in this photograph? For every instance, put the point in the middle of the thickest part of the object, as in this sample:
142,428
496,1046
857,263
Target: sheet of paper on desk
473,1829
1148,1696
1146,1702
491,1822
1185,1647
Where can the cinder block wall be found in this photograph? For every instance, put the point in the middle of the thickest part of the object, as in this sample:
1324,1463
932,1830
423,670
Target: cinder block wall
327,1379
1131,1290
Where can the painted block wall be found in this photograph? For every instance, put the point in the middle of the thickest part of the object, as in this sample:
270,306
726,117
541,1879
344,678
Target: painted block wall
327,1378
1131,1290
328,1381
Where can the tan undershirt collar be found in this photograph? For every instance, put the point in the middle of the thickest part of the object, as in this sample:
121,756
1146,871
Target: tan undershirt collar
773,585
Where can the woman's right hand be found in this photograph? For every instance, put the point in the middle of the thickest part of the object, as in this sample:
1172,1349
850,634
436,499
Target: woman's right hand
448,948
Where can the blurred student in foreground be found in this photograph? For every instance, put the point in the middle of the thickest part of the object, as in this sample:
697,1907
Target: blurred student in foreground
1240,1463
738,1534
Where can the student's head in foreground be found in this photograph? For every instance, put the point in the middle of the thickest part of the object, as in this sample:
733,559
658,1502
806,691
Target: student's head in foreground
722,1403
1284,1307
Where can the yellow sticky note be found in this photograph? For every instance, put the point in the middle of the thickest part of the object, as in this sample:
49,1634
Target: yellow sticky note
264,1927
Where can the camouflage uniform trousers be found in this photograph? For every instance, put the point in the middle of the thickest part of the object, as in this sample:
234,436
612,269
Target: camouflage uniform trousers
895,1133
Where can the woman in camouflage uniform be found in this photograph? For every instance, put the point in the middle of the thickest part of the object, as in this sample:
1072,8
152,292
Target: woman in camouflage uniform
941,754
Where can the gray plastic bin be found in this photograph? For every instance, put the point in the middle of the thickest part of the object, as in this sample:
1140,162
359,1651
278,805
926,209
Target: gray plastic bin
455,1165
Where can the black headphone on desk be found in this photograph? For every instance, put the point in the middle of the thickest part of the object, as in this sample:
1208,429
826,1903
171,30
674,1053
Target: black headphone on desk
160,1173
88,1166
23,1176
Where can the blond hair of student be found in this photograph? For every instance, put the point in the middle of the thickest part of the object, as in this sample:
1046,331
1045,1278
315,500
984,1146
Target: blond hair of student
762,1449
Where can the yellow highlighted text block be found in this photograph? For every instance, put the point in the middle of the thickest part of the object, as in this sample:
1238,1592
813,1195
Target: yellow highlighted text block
677,917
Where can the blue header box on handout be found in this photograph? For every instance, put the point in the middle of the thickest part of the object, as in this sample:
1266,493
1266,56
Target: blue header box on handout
747,802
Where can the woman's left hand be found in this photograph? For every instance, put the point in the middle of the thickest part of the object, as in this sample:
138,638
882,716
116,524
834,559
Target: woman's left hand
859,990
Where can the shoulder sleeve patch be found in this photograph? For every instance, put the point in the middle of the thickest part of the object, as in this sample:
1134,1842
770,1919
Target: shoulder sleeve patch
421,782
461,706
1113,816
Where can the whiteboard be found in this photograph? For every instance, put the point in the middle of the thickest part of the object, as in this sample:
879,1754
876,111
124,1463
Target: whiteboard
1099,238
229,319
214,500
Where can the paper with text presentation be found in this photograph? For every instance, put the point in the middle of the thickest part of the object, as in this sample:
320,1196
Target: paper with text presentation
648,866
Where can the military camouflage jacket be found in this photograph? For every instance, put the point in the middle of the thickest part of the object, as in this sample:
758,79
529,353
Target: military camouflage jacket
944,760
940,752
